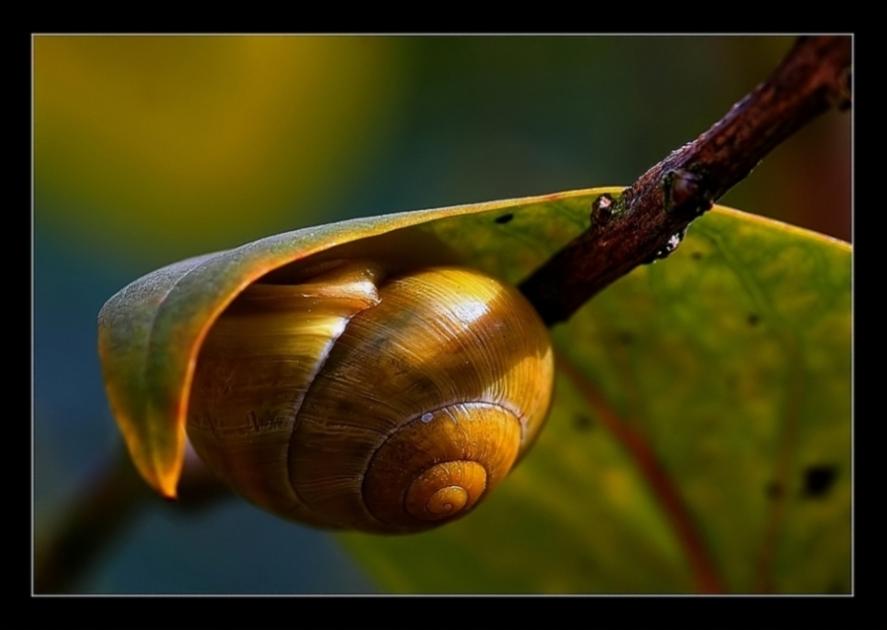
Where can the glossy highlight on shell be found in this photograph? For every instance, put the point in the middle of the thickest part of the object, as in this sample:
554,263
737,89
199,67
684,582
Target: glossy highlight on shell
356,397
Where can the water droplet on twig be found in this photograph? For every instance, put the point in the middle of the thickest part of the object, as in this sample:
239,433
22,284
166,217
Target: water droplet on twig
668,249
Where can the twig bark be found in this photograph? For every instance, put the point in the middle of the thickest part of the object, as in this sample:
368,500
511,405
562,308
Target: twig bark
107,504
649,218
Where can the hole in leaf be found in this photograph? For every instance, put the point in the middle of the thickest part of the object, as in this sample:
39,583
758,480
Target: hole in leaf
774,490
818,480
625,338
582,422
505,218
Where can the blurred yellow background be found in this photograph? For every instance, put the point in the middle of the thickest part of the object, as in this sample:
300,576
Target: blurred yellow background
189,142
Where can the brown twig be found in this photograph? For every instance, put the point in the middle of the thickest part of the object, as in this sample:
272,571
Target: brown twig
648,219
103,509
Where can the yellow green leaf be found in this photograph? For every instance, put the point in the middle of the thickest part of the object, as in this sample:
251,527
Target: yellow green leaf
700,435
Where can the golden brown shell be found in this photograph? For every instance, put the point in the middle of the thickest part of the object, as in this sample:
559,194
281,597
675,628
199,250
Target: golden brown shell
355,400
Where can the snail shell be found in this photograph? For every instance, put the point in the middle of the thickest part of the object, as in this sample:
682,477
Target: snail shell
364,399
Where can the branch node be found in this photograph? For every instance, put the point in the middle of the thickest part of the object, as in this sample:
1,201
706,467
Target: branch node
684,192
603,210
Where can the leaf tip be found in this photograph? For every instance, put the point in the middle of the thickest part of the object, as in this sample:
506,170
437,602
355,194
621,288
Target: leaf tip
159,468
166,486
166,469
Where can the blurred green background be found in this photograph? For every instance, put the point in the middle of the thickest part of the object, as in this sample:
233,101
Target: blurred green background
153,149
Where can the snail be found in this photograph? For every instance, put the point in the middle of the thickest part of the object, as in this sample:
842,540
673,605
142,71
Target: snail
360,401
333,387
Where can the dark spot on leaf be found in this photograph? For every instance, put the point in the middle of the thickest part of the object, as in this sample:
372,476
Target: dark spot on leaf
696,255
774,490
753,319
505,218
625,338
582,422
818,480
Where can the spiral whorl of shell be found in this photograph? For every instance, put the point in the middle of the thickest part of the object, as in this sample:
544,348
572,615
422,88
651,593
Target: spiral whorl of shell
382,404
